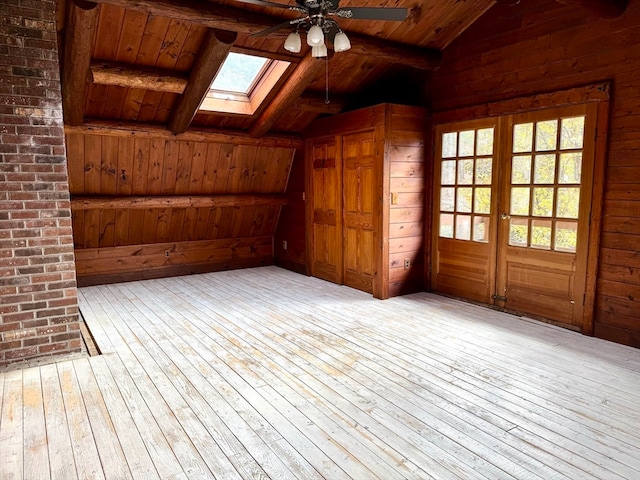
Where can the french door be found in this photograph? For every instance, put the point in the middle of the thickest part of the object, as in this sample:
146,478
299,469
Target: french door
512,208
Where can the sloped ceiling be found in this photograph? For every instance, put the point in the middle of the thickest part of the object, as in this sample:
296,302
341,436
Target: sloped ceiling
163,40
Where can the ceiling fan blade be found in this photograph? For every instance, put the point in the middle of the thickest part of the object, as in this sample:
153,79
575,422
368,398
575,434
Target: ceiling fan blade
373,13
265,4
275,28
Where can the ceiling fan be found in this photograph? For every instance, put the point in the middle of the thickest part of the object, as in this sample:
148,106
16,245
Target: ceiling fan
317,21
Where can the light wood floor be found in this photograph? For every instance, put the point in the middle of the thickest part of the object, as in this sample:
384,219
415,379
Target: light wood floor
266,374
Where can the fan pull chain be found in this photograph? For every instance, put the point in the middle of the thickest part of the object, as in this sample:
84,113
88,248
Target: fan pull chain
326,81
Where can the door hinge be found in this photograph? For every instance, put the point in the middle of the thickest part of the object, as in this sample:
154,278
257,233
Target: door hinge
500,298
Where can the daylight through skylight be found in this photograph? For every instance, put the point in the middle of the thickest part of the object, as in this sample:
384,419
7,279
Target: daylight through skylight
239,73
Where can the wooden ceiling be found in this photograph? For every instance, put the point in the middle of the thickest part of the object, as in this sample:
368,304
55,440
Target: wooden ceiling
161,42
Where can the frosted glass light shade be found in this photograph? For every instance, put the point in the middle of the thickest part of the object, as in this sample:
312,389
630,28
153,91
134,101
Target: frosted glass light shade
319,51
293,43
341,43
315,36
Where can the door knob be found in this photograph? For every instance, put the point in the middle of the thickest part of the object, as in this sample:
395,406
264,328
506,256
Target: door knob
504,216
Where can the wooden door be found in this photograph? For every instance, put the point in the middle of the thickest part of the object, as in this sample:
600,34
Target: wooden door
511,211
464,210
358,154
325,192
545,207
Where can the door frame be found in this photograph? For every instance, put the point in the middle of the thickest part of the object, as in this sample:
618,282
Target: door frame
599,94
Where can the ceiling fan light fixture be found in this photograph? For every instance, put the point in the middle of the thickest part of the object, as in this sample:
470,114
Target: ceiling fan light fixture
341,42
293,43
315,36
319,51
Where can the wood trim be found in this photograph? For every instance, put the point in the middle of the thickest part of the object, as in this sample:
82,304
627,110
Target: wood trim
179,201
216,47
381,213
602,8
81,28
239,20
148,131
353,121
304,73
590,93
597,208
132,76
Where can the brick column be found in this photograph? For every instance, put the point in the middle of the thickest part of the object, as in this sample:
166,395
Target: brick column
38,297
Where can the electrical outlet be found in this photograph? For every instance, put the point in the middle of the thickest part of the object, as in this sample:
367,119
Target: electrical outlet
284,245
407,263
304,196
166,253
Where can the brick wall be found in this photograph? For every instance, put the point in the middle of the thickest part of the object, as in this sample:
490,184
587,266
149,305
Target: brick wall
38,297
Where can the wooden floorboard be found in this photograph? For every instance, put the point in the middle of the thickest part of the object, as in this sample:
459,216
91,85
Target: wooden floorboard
268,374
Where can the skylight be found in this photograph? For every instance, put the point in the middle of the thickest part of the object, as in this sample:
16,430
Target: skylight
239,73
242,83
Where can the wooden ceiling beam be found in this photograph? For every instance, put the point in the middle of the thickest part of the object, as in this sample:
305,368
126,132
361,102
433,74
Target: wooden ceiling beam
234,19
602,8
202,135
315,102
81,25
132,76
304,73
216,47
176,201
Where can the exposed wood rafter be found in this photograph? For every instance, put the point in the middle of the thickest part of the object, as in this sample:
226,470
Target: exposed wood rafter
81,27
131,76
223,17
202,135
315,102
213,53
201,201
305,72
603,8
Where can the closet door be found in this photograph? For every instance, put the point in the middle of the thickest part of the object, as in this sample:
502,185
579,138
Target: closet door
325,192
358,154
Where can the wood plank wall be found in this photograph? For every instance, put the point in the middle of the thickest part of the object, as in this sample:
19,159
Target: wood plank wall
540,46
291,226
115,244
405,152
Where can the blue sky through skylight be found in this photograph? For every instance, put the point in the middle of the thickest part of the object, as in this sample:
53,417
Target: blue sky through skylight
238,73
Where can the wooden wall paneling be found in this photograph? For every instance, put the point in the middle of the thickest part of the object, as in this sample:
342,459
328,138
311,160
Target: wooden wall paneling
96,266
190,48
152,40
149,225
110,23
108,186
247,172
291,221
155,175
198,164
92,183
202,221
183,168
149,106
75,162
163,226
177,224
406,139
209,174
132,104
174,38
170,167
165,107
133,27
515,52
223,164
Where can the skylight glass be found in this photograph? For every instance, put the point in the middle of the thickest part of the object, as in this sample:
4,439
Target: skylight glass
239,73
